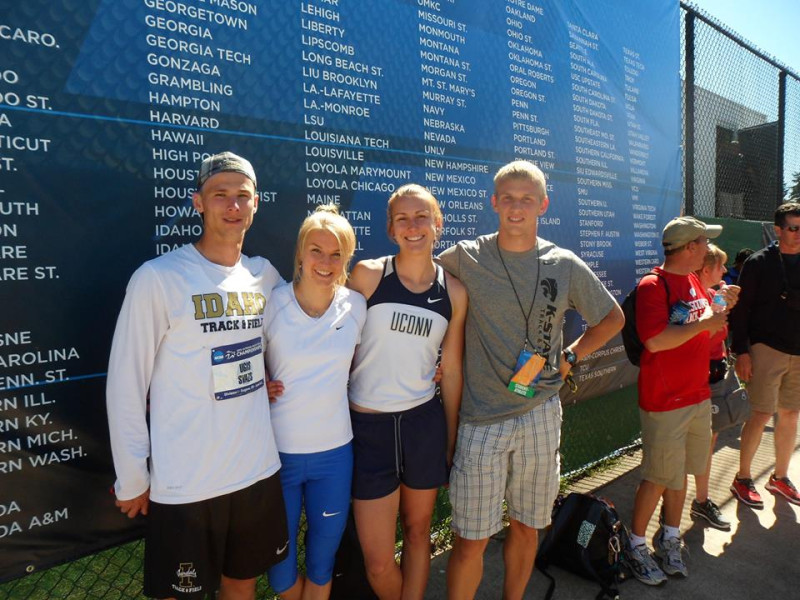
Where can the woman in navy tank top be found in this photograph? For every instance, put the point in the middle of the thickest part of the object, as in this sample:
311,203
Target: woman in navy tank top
404,431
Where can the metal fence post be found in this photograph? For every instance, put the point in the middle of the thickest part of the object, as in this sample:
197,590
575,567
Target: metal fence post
688,135
781,134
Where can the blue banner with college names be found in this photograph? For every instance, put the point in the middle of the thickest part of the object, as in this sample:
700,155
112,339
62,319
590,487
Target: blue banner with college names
107,107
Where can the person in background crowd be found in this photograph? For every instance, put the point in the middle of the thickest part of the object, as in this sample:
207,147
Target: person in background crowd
765,328
404,434
205,471
519,287
732,274
675,322
710,276
312,327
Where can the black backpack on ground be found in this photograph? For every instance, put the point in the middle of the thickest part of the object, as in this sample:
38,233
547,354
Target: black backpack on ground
630,337
586,538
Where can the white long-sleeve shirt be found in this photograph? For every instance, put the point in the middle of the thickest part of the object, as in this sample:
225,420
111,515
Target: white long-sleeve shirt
191,332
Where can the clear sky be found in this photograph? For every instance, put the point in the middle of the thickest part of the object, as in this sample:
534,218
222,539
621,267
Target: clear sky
773,26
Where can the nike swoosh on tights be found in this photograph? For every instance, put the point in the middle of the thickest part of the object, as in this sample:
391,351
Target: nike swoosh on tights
327,514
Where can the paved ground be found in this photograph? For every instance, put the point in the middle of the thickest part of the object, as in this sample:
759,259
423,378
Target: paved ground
758,558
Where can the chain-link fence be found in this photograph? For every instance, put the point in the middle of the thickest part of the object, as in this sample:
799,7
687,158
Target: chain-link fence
742,158
741,123
791,148
116,573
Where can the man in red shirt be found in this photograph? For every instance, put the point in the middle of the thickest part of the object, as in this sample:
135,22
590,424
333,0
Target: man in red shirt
675,322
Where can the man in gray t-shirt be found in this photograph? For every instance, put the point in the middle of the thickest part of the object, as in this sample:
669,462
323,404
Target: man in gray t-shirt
519,288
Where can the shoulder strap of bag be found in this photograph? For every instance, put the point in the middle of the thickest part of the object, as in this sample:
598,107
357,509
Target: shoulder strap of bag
664,281
552,586
594,516
555,532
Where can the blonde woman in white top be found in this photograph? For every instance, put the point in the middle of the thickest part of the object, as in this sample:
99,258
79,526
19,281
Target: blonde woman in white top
312,326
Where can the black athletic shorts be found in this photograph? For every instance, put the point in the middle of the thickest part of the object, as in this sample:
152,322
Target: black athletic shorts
408,447
189,546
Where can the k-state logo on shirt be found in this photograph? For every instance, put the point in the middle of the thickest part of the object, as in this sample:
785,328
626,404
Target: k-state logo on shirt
550,288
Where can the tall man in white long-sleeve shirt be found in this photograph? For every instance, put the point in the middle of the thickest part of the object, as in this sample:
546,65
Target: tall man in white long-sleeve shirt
190,335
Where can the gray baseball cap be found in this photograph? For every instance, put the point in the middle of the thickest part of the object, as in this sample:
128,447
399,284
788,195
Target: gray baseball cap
222,163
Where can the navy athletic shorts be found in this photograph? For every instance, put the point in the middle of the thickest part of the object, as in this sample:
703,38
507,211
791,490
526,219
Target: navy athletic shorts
408,447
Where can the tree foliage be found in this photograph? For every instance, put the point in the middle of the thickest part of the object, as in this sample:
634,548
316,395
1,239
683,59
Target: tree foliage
794,190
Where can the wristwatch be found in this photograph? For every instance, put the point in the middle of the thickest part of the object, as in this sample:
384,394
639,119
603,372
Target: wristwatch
570,357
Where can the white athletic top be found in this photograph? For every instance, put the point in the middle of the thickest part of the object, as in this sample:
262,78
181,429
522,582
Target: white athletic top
191,332
396,361
312,358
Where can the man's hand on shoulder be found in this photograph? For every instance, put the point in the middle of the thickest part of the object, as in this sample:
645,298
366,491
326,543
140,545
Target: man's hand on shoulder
134,506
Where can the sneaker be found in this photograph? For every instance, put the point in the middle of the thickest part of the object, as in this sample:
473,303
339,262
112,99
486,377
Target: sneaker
670,553
644,568
784,487
745,491
710,512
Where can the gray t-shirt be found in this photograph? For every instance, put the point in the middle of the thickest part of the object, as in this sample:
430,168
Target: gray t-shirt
495,328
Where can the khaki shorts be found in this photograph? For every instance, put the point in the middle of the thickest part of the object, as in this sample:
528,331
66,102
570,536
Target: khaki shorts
776,380
675,443
516,459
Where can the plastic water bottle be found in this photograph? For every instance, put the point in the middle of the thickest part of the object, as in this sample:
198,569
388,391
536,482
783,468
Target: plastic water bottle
719,304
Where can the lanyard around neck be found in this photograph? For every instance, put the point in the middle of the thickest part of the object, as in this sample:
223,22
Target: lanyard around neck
525,316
